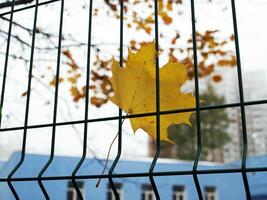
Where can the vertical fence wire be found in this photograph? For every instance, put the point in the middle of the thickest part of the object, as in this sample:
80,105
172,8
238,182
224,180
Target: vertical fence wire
53,138
6,61
199,145
157,99
115,162
84,153
24,139
242,106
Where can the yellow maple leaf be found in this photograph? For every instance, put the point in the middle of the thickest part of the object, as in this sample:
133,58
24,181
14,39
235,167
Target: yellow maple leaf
134,88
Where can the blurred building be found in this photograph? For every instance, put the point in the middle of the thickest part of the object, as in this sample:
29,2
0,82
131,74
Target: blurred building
215,186
255,89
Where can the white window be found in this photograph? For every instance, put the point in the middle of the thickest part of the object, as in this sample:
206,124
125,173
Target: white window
110,195
179,192
71,193
147,193
210,193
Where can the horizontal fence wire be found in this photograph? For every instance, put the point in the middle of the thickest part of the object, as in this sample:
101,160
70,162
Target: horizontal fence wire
136,175
27,7
101,119
110,176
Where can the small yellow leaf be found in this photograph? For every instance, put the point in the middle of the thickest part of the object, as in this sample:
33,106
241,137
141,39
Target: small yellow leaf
165,17
217,78
53,81
134,90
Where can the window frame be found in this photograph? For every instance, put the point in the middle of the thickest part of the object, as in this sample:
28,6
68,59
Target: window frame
179,190
72,190
147,192
110,195
211,193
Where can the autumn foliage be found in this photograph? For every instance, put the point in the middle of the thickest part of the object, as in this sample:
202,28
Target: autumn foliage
213,50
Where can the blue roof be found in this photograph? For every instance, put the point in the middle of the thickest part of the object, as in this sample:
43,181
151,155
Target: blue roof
64,165
2,164
35,162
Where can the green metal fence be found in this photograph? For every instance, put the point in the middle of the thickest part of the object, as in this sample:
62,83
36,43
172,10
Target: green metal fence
110,176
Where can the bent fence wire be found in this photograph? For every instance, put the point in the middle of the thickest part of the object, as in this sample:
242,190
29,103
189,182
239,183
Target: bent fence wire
110,176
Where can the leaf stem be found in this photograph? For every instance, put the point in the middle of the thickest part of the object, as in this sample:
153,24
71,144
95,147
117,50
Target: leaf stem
111,144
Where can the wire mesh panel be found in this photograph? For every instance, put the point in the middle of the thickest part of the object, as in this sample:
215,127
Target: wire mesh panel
74,179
